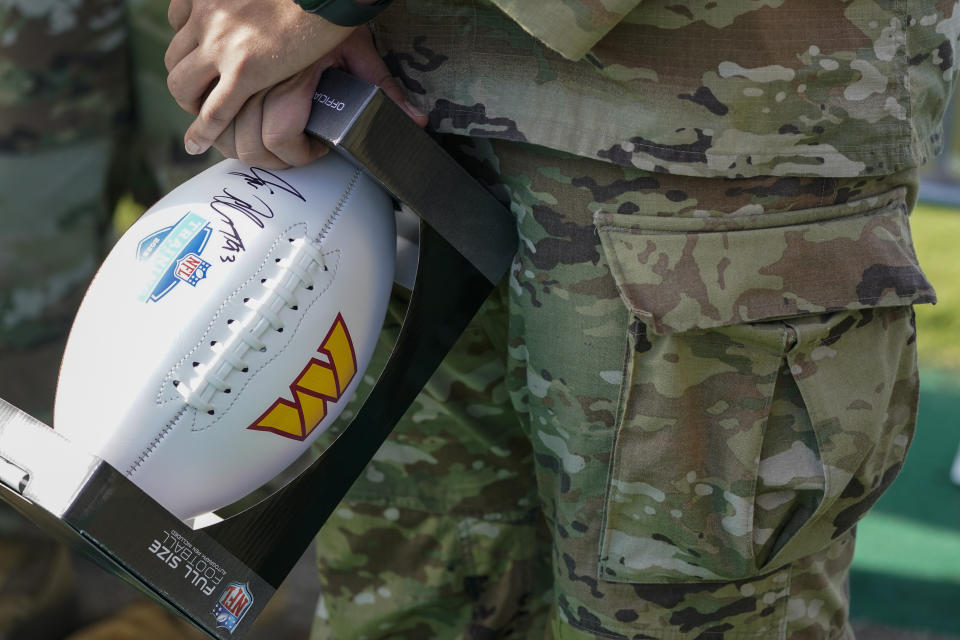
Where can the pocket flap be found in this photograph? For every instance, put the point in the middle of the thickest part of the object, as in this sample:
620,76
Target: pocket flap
679,274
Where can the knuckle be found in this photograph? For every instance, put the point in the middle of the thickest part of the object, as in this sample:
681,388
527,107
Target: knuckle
168,63
173,84
216,116
277,140
240,67
249,157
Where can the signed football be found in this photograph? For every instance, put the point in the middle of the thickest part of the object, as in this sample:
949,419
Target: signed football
228,327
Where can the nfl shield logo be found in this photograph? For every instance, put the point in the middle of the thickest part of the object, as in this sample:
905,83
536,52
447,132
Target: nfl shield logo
171,255
191,268
233,604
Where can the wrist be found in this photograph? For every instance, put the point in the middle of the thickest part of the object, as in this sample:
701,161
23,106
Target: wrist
346,13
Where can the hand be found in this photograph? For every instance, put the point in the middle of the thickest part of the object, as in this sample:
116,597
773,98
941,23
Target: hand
268,130
226,51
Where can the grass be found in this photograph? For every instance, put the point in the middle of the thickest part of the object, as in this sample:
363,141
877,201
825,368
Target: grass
936,234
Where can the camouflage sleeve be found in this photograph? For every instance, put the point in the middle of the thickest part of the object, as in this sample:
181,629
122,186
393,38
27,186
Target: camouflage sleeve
569,27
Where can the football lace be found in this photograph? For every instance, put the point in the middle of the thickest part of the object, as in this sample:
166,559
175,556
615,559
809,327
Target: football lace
246,334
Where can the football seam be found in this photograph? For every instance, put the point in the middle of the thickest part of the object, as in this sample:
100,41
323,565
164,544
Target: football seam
338,208
153,444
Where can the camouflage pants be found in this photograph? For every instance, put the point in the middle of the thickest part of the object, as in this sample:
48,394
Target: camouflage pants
664,424
84,117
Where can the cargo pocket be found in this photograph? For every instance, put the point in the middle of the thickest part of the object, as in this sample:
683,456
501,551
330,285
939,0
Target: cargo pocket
770,386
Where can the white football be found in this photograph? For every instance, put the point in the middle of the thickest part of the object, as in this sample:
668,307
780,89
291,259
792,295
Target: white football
228,327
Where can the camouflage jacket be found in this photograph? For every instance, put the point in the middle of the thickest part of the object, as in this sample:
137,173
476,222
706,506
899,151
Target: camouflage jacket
695,87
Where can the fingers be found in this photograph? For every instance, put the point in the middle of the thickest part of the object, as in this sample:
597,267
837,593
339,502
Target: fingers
286,109
268,130
225,51
219,107
249,140
190,80
395,92
237,113
181,44
189,74
361,58
226,143
373,69
178,13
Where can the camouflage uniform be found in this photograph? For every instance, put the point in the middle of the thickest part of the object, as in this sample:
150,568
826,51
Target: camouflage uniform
701,370
70,143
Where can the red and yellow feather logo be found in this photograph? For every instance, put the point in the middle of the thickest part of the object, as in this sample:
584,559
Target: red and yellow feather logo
320,382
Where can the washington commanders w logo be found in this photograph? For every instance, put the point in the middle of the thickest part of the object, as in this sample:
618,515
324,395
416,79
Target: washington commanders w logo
321,381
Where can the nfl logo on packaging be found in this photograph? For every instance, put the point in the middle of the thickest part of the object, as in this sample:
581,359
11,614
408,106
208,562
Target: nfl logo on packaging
233,604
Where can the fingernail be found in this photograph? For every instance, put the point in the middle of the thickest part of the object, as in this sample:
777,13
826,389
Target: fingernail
193,148
412,110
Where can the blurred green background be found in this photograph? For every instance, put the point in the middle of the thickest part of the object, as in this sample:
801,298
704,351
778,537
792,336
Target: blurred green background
907,564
